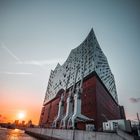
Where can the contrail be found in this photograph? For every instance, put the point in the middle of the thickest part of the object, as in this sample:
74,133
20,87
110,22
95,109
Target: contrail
10,52
17,73
32,62
41,62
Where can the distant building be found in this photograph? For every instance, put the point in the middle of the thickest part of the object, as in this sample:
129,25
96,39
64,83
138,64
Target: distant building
122,112
16,122
81,91
23,123
29,124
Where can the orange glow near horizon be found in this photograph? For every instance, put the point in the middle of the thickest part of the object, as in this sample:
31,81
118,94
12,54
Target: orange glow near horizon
20,108
11,116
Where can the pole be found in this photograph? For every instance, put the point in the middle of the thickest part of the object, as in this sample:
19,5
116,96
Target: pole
138,124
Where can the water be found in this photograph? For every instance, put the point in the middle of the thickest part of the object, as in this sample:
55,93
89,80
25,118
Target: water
14,134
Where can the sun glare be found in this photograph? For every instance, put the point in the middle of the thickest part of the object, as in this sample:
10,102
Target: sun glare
21,115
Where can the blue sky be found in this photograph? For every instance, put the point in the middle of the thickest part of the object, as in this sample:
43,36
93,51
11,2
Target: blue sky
36,34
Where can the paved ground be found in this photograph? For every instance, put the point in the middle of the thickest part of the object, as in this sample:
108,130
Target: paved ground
14,134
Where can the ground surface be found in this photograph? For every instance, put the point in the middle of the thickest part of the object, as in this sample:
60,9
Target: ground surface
14,134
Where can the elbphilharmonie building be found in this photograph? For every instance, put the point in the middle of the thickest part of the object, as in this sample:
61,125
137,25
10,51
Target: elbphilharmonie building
81,91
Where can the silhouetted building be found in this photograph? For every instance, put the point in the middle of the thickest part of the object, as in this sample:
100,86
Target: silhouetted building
81,91
16,122
122,112
23,123
29,124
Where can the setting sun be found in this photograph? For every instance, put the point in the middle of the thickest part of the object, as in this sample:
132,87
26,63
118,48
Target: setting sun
21,115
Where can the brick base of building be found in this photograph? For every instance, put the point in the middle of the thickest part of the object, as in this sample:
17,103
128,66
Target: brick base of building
97,104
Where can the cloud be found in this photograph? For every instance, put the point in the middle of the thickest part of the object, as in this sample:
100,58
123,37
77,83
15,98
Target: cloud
41,62
134,100
16,73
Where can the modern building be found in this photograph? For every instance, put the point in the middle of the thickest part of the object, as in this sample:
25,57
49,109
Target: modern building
82,91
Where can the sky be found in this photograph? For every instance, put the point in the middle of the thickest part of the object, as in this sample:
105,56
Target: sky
37,34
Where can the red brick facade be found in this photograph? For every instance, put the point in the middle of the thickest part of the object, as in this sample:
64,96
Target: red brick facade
97,103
